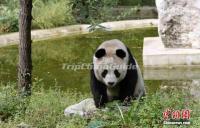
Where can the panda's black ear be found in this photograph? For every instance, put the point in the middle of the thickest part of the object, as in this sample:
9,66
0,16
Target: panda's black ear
120,53
100,53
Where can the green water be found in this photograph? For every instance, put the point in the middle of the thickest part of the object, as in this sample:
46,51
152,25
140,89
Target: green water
50,55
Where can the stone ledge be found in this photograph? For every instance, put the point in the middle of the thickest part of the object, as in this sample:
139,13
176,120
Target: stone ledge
169,63
13,38
155,55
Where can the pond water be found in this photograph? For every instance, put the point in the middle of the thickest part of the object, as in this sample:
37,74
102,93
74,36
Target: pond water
50,56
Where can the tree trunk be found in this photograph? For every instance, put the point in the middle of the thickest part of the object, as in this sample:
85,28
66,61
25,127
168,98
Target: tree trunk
25,61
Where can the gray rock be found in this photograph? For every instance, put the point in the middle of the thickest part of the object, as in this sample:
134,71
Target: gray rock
179,23
23,125
84,108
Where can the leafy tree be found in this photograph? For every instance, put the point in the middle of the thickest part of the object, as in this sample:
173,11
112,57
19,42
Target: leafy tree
89,11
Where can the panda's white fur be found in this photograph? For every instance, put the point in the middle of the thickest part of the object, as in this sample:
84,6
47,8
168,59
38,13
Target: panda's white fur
106,88
110,60
139,88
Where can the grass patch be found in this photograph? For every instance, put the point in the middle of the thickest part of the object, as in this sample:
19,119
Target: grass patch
148,112
45,109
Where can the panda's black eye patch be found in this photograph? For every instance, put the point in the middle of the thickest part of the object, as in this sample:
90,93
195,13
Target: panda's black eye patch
100,53
104,73
120,53
117,74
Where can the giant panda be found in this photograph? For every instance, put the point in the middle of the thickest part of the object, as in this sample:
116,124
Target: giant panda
115,74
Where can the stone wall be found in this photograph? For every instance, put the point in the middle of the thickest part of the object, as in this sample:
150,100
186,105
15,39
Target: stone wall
179,23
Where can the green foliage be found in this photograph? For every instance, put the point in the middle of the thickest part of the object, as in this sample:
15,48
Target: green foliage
9,16
97,11
46,14
87,11
137,2
11,103
51,13
54,13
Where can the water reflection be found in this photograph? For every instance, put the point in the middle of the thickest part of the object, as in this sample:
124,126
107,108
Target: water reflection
173,73
186,78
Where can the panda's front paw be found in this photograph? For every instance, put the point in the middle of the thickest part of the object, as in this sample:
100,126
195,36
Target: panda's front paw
127,101
99,103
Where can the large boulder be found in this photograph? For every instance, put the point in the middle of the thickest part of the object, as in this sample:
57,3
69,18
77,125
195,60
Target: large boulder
179,23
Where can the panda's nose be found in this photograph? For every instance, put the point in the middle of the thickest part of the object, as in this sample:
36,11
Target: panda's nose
111,83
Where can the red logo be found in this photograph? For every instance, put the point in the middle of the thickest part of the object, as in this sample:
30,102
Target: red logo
166,114
186,114
176,114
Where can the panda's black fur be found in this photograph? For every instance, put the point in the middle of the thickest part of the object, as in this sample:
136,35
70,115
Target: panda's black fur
126,86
